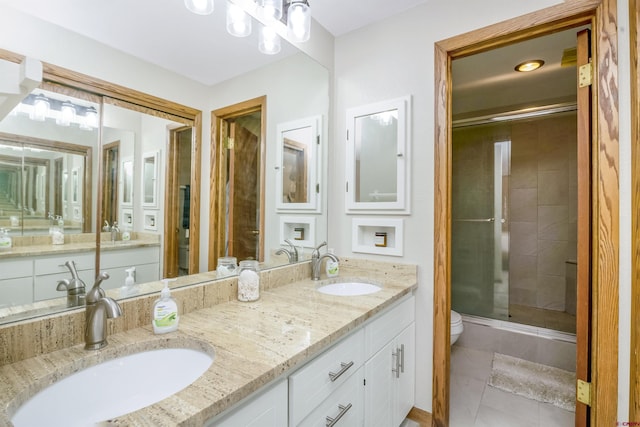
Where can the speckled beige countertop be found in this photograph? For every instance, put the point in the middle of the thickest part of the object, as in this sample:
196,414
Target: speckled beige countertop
254,344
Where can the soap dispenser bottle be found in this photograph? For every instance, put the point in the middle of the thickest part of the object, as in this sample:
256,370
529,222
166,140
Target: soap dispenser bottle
5,239
129,288
165,312
332,267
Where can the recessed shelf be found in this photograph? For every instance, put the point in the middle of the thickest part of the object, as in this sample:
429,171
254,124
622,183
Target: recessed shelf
301,230
382,236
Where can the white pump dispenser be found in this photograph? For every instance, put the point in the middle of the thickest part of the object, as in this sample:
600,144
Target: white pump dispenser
165,316
129,288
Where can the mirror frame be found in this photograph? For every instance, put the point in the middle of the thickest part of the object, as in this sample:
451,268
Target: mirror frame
312,165
403,142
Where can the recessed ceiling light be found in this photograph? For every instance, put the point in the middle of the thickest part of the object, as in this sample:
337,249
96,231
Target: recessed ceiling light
529,65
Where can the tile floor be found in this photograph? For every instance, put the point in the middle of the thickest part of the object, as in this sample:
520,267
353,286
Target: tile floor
476,404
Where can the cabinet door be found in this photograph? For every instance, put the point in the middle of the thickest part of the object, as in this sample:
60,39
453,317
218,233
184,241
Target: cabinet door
16,291
378,388
268,409
405,383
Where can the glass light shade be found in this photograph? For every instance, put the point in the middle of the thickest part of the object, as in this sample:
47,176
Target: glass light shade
299,21
40,108
272,9
200,7
90,121
269,42
238,21
67,114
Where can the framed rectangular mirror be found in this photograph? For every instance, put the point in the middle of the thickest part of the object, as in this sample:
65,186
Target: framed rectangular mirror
297,185
377,157
127,182
149,179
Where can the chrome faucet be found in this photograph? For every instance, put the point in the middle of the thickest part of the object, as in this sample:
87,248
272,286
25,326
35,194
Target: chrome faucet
75,287
114,232
99,308
316,260
292,252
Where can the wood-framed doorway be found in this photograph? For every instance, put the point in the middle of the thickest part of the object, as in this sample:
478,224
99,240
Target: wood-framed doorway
605,191
218,178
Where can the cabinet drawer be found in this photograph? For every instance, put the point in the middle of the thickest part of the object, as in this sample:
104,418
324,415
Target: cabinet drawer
311,384
16,291
129,257
382,329
55,264
12,268
347,400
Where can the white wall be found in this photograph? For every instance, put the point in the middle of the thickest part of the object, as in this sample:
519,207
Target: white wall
395,58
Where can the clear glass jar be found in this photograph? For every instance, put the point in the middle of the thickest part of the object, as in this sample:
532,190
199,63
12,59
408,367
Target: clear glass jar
227,266
248,281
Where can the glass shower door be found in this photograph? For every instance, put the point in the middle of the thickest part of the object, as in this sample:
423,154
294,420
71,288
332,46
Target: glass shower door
479,228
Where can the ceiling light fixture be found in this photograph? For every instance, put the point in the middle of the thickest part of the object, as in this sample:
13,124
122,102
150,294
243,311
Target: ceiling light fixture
40,108
299,20
272,9
200,7
269,42
67,114
531,65
238,21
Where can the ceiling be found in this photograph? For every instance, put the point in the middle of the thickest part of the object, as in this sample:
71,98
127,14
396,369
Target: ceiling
165,33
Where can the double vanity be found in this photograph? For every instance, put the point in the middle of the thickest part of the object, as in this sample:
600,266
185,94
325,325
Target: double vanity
297,356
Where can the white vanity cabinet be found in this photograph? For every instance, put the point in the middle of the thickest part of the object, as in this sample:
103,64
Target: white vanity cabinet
267,409
317,387
16,282
144,259
389,372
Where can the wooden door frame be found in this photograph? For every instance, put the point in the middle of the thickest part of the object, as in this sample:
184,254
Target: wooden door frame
105,148
171,203
218,175
634,369
602,14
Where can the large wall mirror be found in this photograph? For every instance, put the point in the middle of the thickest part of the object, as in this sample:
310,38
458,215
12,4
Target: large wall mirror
165,236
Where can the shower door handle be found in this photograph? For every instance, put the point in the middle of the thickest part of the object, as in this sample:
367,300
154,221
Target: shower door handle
475,220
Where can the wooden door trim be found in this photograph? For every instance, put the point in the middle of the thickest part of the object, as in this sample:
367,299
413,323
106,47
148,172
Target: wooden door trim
605,226
634,369
217,174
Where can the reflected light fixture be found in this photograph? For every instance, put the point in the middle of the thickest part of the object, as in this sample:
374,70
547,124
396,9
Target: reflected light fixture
299,20
272,9
40,108
238,21
90,119
531,65
269,42
200,7
67,114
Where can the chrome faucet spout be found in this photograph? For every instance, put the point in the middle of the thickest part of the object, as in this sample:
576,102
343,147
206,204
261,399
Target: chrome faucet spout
292,252
316,264
99,309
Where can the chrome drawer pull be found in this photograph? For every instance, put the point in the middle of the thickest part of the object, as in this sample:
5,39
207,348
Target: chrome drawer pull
344,366
402,358
343,410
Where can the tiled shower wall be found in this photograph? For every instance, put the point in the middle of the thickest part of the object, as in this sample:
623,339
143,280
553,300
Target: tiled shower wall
543,210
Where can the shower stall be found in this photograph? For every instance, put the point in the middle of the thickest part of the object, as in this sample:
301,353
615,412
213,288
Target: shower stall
514,218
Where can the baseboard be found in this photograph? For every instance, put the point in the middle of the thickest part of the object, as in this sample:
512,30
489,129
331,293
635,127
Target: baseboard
421,417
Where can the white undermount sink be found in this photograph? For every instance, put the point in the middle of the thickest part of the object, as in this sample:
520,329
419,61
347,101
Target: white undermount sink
114,388
349,288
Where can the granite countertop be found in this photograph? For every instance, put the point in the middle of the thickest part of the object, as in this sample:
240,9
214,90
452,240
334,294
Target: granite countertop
49,249
254,344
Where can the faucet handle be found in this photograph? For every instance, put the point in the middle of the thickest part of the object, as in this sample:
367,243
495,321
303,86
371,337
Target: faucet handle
316,250
96,292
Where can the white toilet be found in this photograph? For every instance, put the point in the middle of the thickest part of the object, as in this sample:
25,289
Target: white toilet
456,326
